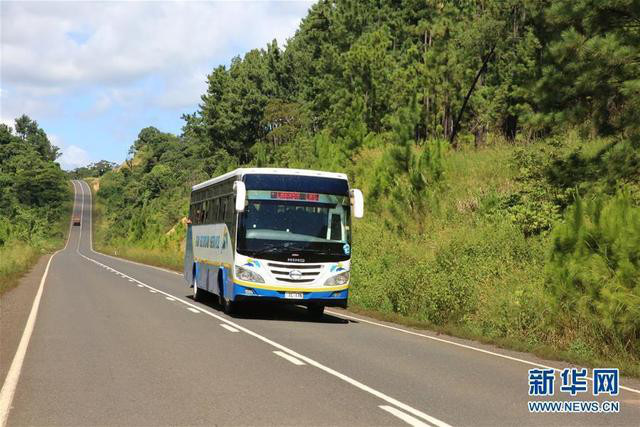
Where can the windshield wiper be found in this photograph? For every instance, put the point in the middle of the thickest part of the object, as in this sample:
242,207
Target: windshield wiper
271,247
317,251
267,248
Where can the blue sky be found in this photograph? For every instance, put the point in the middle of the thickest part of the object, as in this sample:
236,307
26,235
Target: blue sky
94,73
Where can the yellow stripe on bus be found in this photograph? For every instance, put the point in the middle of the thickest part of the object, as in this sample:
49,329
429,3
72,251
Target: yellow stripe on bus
213,263
286,289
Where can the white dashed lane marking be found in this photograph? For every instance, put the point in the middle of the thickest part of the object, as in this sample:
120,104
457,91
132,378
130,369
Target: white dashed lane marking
229,328
289,357
403,416
193,310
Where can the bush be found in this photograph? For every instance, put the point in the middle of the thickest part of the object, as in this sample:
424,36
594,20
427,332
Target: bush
451,282
593,271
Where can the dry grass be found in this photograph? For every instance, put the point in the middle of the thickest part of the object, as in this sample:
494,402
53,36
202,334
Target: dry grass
15,259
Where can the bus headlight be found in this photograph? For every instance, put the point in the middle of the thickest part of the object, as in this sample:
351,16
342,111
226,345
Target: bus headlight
338,279
248,275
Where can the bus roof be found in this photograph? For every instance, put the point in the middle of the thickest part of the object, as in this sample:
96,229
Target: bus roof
240,172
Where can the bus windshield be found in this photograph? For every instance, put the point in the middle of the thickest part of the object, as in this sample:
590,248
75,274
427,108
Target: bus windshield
278,222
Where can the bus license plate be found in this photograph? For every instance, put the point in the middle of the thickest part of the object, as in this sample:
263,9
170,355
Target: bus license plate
293,295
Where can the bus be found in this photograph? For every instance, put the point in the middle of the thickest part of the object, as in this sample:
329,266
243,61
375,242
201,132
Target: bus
272,234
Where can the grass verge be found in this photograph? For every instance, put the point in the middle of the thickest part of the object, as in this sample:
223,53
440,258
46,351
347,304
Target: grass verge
17,257
158,257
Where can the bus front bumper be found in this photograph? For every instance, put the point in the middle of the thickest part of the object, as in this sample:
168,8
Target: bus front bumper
326,298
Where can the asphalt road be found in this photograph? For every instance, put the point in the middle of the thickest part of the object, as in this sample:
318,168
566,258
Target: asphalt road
116,342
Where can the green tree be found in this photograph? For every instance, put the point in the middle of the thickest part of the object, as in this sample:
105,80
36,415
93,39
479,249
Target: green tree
590,68
594,268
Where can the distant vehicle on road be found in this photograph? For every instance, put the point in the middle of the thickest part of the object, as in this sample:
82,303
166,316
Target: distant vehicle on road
272,235
76,220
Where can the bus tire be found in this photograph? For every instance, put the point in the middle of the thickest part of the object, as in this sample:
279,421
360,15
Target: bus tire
316,311
228,306
220,290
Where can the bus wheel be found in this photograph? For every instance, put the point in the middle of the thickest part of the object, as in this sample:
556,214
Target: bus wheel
228,306
316,310
197,292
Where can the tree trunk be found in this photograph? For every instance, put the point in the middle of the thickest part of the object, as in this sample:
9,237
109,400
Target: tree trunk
510,127
482,69
480,135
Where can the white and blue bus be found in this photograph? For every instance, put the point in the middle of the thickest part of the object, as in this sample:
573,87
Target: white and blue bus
268,234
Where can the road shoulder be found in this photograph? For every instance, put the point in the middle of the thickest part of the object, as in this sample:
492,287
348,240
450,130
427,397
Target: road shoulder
15,306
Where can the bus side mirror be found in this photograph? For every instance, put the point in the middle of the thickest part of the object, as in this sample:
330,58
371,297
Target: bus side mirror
241,195
358,203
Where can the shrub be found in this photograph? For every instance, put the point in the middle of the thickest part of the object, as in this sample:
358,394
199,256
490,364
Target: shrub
593,270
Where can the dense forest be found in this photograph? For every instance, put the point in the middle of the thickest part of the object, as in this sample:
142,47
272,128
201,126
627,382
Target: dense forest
497,143
34,197
92,170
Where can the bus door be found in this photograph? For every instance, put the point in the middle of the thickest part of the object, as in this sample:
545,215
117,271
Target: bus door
188,255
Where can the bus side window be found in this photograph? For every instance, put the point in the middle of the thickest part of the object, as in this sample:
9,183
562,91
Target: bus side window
223,209
216,210
212,211
230,208
205,216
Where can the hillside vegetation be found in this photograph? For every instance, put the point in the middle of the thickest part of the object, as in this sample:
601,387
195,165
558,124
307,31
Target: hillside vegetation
497,144
35,198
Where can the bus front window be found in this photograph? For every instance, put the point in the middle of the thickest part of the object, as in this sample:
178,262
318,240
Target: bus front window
303,225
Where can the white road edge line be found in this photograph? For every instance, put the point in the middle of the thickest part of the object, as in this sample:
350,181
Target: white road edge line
469,347
111,256
288,357
412,421
114,257
13,375
229,328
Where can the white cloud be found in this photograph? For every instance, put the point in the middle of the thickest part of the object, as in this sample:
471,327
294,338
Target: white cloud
19,101
73,157
185,91
8,122
124,41
98,62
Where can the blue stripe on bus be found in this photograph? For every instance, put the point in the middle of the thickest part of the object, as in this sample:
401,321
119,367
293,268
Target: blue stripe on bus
241,290
231,290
